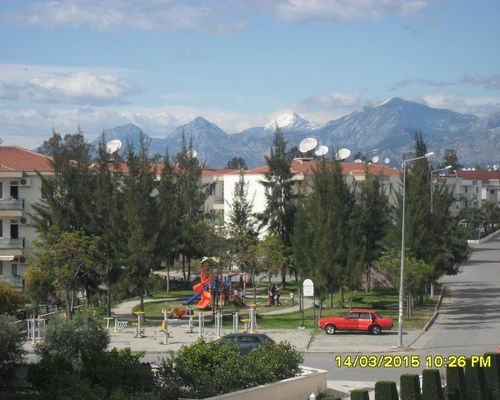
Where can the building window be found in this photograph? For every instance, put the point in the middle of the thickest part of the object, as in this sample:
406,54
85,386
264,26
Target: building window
492,191
1,227
1,190
14,269
1,267
14,189
466,189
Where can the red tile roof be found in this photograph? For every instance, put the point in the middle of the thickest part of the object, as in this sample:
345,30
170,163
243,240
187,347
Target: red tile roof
483,176
15,158
308,166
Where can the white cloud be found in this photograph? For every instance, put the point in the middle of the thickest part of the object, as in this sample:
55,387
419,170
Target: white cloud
41,85
112,15
479,106
327,106
31,126
344,10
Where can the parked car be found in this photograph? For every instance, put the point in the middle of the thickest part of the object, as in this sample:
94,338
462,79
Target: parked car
246,342
356,320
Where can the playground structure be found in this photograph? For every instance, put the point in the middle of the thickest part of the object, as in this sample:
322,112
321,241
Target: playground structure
220,288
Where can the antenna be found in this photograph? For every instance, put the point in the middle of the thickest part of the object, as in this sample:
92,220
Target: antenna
387,160
113,146
321,151
307,144
375,159
342,154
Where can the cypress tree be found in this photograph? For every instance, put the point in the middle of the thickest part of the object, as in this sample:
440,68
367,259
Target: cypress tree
386,390
455,383
431,385
492,375
278,216
410,387
141,219
475,385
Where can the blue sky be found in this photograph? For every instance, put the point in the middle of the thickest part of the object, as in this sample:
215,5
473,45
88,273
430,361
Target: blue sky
160,63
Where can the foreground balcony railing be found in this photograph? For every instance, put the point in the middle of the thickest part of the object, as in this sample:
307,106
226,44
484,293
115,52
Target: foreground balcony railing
14,280
9,243
11,204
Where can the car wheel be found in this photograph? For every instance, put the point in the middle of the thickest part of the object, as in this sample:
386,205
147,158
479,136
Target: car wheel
376,330
330,329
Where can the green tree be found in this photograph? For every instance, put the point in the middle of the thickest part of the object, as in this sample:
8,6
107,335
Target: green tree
417,274
40,285
11,348
68,258
67,194
191,196
279,214
141,216
450,157
243,232
168,216
324,229
68,337
10,298
374,217
237,163
105,213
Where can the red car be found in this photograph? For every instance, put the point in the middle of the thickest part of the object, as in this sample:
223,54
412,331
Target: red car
356,320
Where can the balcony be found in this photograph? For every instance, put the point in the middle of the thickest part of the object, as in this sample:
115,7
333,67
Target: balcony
11,208
219,200
14,280
11,244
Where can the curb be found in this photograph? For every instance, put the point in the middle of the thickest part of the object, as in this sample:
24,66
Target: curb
433,317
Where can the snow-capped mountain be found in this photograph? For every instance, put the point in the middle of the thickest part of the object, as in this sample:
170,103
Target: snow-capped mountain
291,121
388,126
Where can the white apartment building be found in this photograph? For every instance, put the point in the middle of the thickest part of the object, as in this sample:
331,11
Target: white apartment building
20,188
472,188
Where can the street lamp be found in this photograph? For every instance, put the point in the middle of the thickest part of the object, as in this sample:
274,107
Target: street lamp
401,277
432,191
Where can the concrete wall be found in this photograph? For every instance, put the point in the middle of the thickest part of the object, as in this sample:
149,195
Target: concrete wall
298,388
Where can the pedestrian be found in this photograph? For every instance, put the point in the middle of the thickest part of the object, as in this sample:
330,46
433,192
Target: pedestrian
269,296
273,294
278,295
292,298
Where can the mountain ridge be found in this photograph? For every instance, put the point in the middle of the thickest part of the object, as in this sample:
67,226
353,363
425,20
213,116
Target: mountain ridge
388,126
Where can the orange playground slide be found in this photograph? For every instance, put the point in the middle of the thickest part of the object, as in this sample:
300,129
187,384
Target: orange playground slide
206,297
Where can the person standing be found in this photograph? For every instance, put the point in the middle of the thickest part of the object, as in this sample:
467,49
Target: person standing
278,295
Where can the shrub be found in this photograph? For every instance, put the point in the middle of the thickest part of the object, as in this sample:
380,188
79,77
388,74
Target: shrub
11,351
386,390
474,382
10,298
492,375
69,336
410,387
360,394
117,369
54,377
455,383
209,369
431,385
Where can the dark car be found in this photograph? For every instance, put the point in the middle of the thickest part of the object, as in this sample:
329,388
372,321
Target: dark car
357,320
246,342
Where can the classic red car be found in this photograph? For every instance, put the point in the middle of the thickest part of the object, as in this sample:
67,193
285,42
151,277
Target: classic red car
356,320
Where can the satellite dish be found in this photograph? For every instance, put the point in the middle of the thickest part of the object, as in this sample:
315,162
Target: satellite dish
387,160
307,144
342,154
113,146
375,159
321,151
194,153
358,160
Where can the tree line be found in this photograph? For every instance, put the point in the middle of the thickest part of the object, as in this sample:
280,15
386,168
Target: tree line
106,219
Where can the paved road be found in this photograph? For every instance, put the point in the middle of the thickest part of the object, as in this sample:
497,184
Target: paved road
468,324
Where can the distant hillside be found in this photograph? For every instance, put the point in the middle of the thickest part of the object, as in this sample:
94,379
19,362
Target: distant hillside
387,129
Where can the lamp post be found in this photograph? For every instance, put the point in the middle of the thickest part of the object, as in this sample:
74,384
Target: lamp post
401,277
